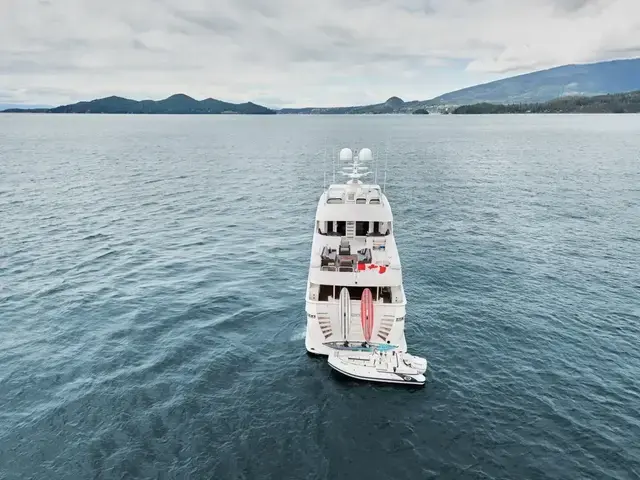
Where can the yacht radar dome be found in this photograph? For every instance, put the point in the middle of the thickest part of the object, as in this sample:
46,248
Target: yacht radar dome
346,155
365,155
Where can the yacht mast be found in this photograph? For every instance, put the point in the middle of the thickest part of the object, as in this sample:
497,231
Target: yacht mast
357,169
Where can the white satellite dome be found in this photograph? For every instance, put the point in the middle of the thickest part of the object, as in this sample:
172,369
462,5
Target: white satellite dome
365,155
346,155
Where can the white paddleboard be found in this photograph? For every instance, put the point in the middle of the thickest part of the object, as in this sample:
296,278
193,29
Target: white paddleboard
344,311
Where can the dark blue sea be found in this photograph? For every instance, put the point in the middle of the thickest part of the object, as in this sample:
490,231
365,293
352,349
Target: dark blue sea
152,282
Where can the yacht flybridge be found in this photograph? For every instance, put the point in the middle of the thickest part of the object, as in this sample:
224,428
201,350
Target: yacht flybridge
355,300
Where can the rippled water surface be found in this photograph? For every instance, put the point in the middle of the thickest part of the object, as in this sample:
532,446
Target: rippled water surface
152,279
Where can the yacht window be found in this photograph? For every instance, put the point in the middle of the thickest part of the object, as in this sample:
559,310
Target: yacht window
341,228
374,200
361,200
362,228
326,293
385,294
381,229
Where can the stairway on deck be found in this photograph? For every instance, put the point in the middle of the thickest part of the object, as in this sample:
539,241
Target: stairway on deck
350,230
355,328
386,324
325,325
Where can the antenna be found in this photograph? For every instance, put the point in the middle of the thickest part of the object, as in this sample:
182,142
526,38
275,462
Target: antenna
333,163
324,169
375,167
386,161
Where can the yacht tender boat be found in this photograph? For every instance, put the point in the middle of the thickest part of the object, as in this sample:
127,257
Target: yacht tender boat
380,366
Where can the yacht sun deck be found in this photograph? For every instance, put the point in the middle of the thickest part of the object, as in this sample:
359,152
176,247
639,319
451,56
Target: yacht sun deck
360,195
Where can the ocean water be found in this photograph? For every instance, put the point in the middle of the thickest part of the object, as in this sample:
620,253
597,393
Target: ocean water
152,280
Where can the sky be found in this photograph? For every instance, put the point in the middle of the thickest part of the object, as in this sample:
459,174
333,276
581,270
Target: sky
295,52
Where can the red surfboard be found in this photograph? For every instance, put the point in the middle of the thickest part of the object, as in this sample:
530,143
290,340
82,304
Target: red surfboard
366,314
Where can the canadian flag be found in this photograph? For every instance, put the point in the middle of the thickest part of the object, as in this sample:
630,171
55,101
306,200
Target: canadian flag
371,266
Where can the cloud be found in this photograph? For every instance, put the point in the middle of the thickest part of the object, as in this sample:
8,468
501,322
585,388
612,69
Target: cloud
308,53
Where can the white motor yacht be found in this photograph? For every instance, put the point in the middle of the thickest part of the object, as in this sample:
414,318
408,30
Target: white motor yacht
355,267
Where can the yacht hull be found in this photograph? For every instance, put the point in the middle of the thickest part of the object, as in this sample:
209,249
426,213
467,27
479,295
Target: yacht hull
316,343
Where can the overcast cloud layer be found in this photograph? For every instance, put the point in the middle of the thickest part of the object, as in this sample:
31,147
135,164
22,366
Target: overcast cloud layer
295,52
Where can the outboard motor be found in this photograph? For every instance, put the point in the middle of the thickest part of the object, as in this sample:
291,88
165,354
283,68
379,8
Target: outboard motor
419,363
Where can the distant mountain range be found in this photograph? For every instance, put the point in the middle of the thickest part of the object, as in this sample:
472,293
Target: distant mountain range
610,103
615,76
393,105
175,104
611,77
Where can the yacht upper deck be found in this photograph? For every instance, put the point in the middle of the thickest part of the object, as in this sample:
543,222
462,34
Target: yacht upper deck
357,193
354,230
353,202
